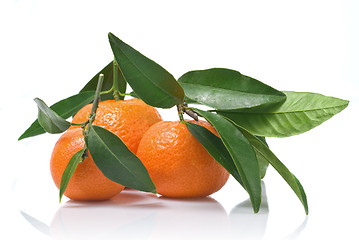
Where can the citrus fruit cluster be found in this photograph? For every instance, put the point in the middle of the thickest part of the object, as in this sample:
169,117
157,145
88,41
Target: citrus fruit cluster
177,163
112,143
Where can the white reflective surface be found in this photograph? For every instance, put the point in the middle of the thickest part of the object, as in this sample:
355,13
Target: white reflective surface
50,49
136,215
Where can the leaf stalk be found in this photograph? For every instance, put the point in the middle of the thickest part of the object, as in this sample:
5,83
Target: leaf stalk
116,88
183,108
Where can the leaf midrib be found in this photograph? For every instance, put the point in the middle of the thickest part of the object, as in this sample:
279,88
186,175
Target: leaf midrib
70,111
61,122
296,111
296,185
222,156
71,171
298,190
214,146
113,153
231,90
240,169
154,83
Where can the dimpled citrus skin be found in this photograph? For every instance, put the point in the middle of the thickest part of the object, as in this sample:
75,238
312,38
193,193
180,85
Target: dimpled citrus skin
128,119
87,182
178,164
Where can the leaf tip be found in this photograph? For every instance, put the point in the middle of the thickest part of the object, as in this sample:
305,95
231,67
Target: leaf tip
346,103
256,207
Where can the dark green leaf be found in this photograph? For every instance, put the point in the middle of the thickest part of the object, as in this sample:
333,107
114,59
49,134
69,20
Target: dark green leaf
64,108
116,161
215,147
34,130
299,113
69,171
242,153
266,154
263,163
263,140
107,82
227,89
49,120
218,151
151,82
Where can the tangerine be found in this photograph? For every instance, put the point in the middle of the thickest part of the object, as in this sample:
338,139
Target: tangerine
87,182
128,119
177,163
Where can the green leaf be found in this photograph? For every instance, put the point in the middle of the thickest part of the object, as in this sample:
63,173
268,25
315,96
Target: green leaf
151,82
64,108
266,154
107,82
299,113
69,171
227,89
116,161
218,151
49,120
262,162
215,147
242,153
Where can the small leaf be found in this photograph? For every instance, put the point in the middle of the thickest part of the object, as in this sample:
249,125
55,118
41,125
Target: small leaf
69,171
266,154
227,89
116,161
215,147
151,82
49,120
64,108
299,113
242,153
107,82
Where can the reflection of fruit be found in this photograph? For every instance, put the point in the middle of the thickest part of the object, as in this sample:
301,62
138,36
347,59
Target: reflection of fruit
201,218
123,216
128,119
87,182
177,163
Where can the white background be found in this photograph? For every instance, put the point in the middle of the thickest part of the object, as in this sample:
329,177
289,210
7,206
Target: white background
50,49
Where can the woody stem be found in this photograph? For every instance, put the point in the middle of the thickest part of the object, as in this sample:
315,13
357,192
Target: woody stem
95,102
180,112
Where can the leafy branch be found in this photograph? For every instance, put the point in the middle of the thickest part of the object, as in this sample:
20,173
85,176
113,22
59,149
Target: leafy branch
242,109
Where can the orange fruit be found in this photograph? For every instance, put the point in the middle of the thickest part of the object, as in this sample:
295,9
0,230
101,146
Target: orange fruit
177,163
87,182
128,119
